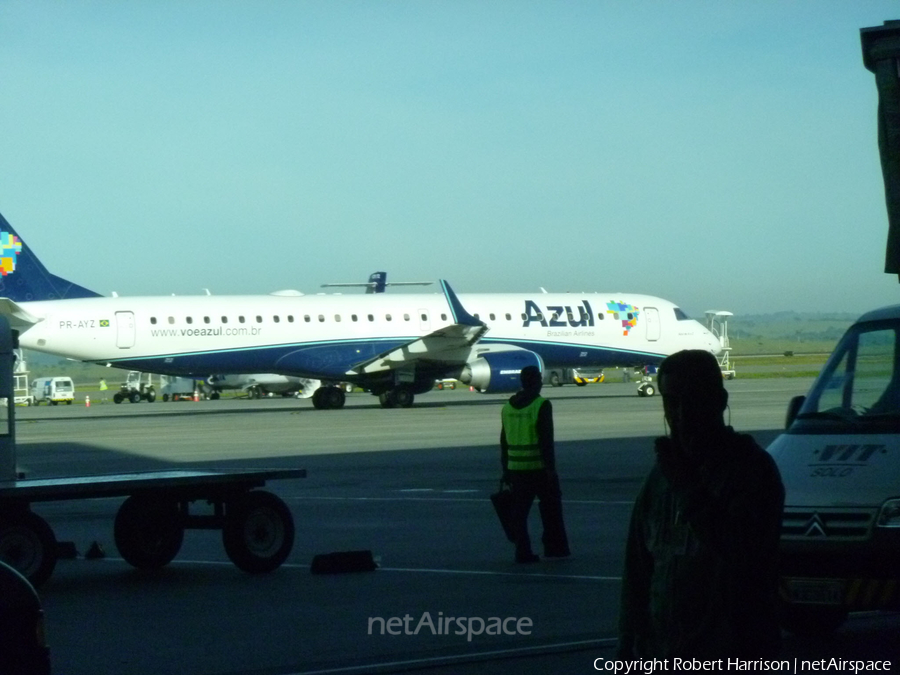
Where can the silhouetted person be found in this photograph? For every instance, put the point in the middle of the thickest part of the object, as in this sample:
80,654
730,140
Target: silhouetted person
529,465
701,573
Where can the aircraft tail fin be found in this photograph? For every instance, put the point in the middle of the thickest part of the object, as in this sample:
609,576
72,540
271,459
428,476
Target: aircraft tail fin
376,282
24,278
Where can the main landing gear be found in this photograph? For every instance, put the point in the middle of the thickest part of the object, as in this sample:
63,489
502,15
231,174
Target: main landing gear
328,398
401,397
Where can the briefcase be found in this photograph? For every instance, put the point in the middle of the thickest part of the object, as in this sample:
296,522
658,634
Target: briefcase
503,505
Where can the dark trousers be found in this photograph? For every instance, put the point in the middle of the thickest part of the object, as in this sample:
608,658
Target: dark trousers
526,485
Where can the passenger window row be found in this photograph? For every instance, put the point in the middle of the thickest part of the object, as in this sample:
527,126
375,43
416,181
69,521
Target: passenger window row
321,318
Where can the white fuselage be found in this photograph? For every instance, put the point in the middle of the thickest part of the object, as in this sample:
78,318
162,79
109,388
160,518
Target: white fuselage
325,335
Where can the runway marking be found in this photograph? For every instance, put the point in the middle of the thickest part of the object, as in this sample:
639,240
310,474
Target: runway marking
622,502
425,570
436,661
414,570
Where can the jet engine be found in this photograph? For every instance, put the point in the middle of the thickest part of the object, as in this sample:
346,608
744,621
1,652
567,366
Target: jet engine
498,372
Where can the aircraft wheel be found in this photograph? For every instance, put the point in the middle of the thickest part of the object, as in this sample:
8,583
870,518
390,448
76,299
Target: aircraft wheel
28,544
334,398
318,399
387,400
403,397
258,533
148,531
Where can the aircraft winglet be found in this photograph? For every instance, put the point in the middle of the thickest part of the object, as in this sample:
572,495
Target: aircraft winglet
460,315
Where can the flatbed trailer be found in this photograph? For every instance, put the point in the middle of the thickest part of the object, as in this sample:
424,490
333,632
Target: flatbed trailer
257,527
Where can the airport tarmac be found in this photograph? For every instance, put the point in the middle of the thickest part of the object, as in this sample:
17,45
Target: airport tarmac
412,486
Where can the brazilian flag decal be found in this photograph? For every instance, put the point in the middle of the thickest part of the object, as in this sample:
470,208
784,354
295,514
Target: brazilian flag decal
104,323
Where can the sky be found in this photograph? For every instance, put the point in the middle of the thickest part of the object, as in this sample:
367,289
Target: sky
722,155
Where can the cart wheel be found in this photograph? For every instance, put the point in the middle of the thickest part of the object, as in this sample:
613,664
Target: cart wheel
258,532
27,543
649,390
148,531
117,397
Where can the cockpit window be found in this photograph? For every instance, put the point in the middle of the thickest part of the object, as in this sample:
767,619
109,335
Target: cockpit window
680,315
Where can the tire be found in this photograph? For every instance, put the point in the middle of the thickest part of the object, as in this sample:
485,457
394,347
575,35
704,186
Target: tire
811,620
649,390
386,399
135,397
117,398
28,544
258,532
554,380
54,402
403,397
148,531
348,388
318,399
214,396
151,395
334,398
165,398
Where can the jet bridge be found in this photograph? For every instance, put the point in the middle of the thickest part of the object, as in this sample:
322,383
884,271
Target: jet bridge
257,526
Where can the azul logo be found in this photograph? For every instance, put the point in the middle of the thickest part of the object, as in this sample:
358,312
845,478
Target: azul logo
559,315
10,247
627,314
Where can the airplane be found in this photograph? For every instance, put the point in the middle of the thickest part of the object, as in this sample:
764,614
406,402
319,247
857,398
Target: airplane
257,385
377,283
393,346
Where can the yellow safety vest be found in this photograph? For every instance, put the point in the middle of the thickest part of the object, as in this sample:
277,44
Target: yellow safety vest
520,427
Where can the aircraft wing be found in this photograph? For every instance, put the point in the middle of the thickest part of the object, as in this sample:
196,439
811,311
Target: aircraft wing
447,345
18,317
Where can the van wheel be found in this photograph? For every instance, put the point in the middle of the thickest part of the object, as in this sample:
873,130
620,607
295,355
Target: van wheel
810,620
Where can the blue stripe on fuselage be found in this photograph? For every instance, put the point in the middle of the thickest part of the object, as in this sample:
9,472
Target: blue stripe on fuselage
333,358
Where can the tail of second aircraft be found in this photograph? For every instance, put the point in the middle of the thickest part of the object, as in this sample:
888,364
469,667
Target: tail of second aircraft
24,278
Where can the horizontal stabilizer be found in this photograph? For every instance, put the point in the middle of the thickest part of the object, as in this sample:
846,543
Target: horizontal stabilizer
18,317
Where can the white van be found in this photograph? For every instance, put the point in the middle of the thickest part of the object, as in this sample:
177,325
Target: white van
840,463
53,390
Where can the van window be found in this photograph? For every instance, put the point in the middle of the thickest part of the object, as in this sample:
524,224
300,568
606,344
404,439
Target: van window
861,381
